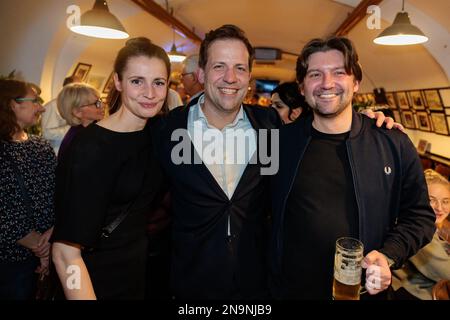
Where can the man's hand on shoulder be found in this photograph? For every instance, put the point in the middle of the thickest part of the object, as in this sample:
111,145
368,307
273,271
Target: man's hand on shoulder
382,119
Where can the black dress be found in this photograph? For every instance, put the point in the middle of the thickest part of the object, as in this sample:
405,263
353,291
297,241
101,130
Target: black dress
101,175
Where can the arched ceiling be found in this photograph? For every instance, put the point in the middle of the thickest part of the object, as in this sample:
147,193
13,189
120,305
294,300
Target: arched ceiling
284,24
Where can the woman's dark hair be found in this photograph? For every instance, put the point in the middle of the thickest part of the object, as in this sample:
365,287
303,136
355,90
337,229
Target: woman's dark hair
10,90
290,95
225,32
343,45
138,47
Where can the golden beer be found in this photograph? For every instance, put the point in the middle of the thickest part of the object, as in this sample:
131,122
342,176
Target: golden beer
343,291
347,269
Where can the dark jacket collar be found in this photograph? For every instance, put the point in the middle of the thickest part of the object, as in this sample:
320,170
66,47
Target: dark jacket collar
306,124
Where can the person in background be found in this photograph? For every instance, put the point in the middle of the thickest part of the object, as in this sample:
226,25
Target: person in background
341,176
79,104
288,102
189,77
173,99
415,280
106,183
27,182
54,127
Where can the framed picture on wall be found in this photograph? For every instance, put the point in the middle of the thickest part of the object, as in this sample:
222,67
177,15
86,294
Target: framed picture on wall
371,98
448,121
439,123
433,100
358,98
109,83
397,116
408,119
445,96
402,100
422,146
96,81
423,121
447,111
416,100
391,100
81,71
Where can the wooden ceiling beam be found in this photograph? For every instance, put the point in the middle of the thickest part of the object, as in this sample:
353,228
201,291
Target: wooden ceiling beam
355,16
158,12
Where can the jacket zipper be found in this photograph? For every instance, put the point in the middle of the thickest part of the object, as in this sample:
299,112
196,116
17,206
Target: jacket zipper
355,188
289,191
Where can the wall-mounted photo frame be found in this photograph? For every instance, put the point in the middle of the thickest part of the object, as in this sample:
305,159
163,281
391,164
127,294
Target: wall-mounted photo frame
81,71
416,100
96,81
433,100
397,116
391,100
408,119
402,100
358,98
448,121
109,84
439,123
423,121
445,96
422,146
371,98
447,111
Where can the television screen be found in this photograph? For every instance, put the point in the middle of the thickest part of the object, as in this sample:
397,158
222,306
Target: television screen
266,86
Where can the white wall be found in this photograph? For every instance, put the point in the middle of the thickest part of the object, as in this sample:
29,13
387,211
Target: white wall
440,144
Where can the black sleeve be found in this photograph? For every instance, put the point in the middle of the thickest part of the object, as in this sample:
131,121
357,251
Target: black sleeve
415,226
85,181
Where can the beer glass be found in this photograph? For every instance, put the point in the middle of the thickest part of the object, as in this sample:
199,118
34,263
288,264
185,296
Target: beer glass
347,269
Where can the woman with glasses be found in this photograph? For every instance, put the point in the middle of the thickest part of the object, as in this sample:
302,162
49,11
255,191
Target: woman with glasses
106,182
432,263
27,181
80,105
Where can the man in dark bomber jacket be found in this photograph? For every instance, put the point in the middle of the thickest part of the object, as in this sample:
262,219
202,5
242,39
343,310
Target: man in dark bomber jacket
341,176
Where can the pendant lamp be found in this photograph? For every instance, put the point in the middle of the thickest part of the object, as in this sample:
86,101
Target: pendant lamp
99,22
401,32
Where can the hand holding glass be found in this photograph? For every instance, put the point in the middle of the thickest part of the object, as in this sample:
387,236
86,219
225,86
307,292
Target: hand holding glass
347,269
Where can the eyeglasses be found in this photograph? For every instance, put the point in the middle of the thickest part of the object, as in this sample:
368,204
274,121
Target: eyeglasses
36,100
185,74
98,104
444,202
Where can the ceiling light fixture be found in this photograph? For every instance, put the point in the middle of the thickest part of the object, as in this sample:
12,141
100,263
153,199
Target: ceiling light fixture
174,54
401,32
100,23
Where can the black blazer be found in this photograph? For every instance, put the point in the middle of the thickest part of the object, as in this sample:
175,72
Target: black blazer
206,262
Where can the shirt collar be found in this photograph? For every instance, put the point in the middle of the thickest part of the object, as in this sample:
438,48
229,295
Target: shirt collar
199,115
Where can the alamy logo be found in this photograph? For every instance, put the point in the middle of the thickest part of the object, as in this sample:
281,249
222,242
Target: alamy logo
374,20
74,280
233,146
74,18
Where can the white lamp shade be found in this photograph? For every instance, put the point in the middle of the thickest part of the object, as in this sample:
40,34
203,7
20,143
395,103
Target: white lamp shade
401,33
100,23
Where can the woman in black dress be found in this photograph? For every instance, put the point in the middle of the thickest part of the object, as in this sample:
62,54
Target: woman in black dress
110,171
